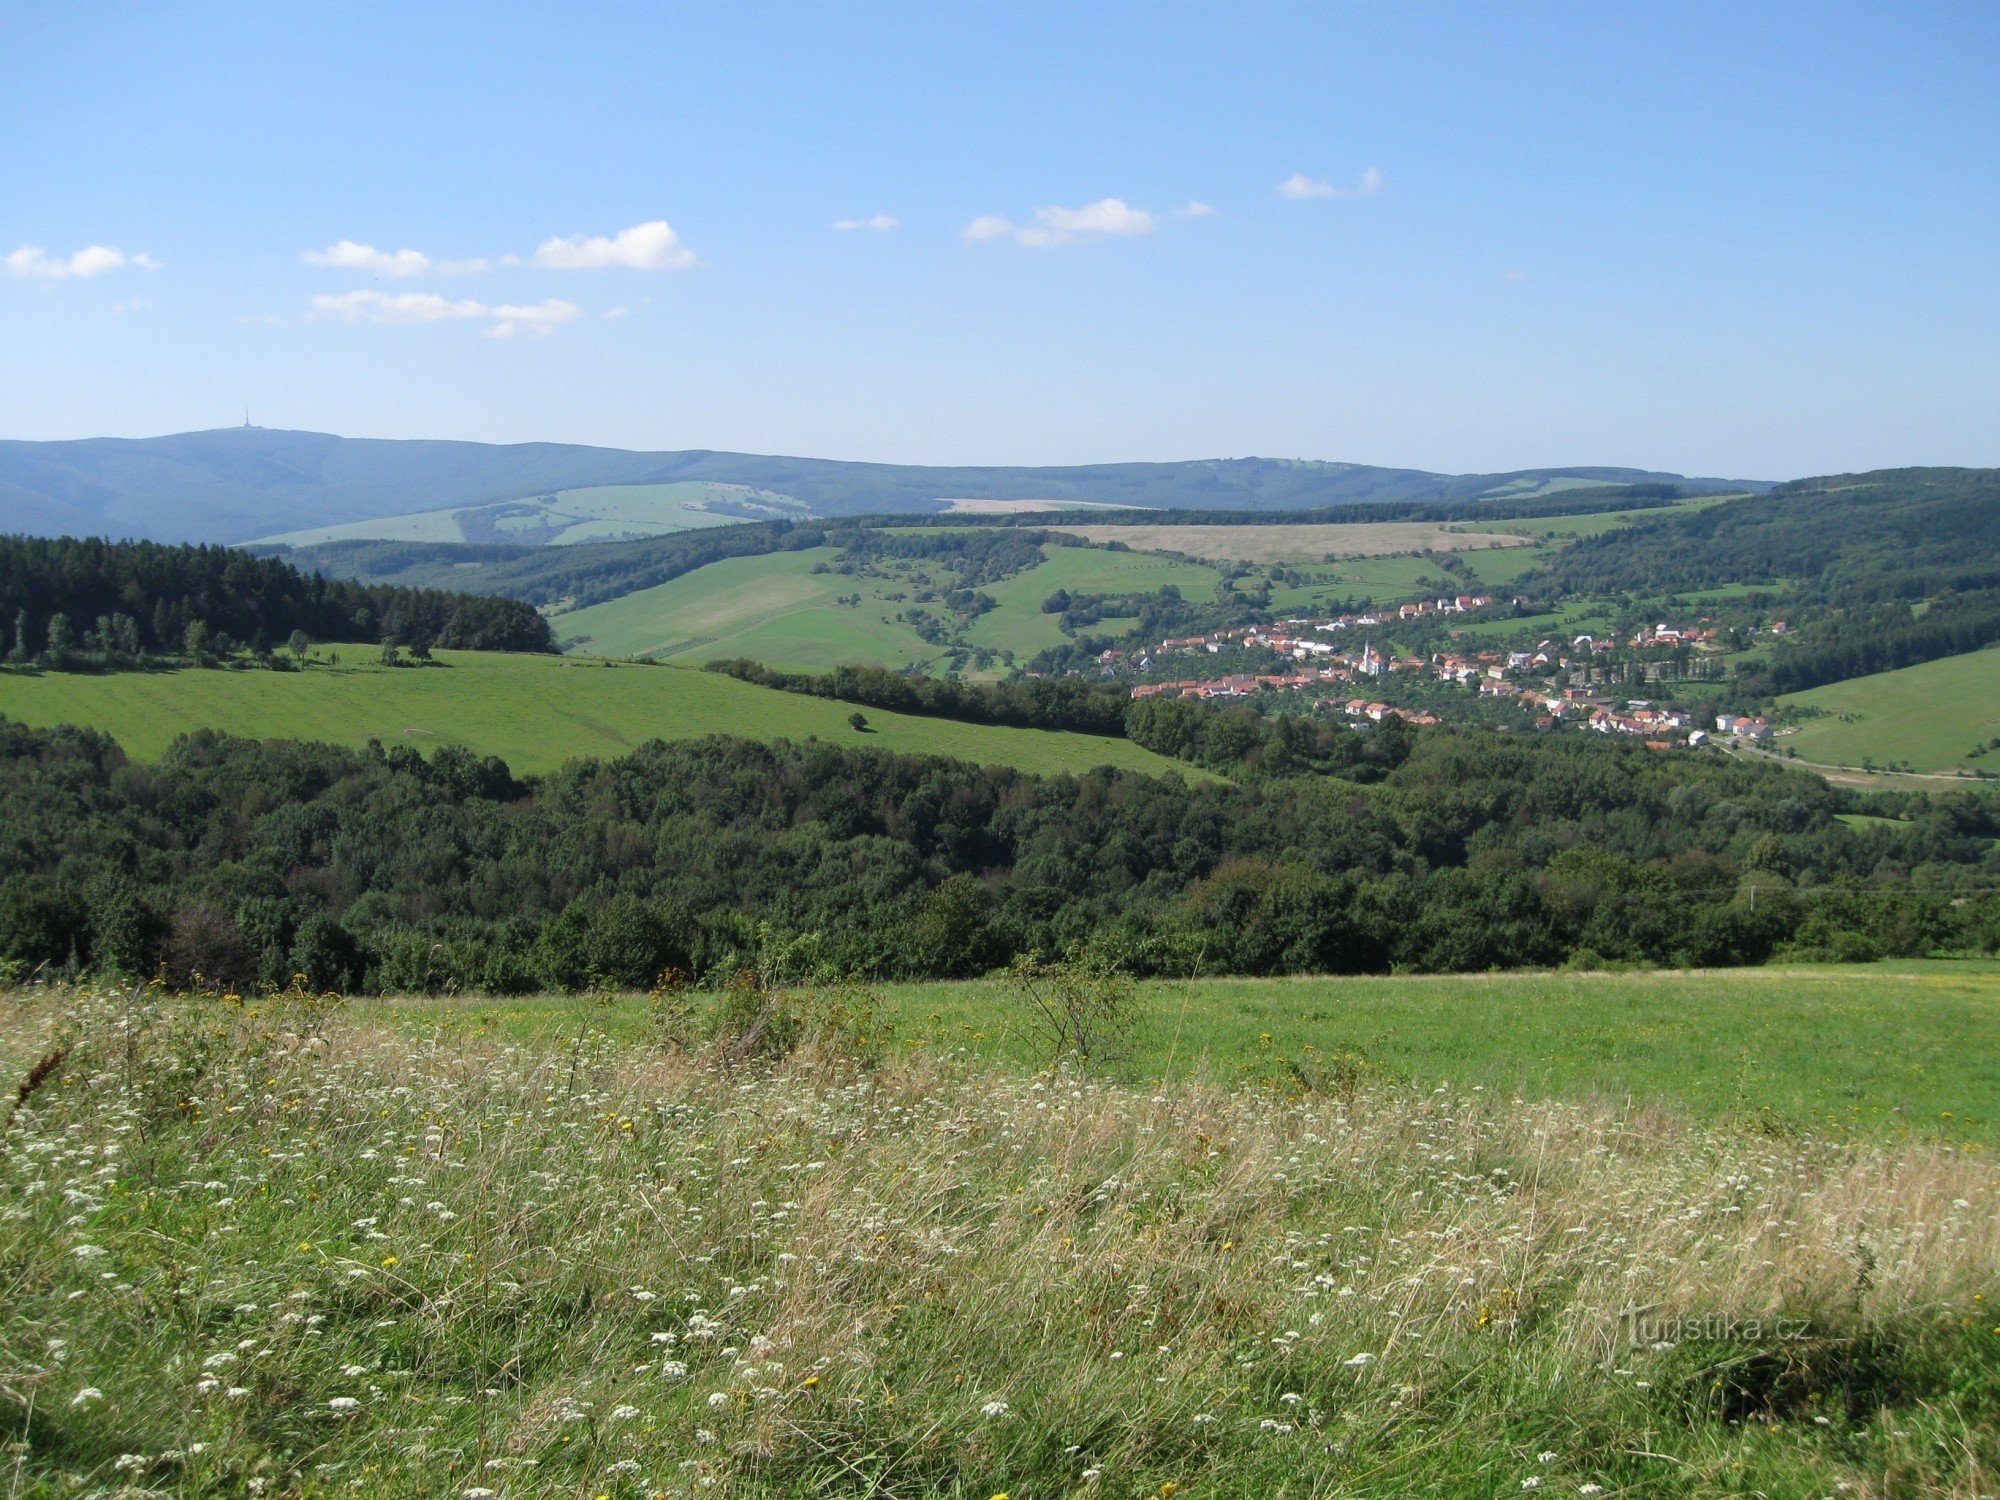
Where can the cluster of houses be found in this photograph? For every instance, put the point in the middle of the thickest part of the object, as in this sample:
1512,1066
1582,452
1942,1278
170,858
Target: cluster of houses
1527,678
1361,708
1241,684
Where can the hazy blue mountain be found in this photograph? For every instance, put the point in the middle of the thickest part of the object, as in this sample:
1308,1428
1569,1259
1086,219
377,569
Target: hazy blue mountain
237,483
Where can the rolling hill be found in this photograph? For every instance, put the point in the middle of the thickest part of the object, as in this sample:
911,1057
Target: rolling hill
1942,715
599,513
237,483
534,712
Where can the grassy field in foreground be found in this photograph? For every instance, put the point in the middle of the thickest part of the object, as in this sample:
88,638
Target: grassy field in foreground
273,1250
1932,716
534,712
1880,1049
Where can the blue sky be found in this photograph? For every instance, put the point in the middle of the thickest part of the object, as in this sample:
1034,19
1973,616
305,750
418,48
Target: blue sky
1747,240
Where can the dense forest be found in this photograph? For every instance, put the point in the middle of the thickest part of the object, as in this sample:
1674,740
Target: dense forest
1061,703
1899,533
244,863
65,602
1875,571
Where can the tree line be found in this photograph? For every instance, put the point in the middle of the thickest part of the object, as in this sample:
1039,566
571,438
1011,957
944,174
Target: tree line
245,863
67,601
1234,741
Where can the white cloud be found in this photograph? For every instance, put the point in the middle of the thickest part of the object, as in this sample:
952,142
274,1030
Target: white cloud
652,246
1105,216
880,223
988,227
429,307
1298,185
542,317
1059,226
1196,209
1514,276
92,260
346,255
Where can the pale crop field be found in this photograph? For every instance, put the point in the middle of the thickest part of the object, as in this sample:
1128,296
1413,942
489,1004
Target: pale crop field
1303,543
266,1247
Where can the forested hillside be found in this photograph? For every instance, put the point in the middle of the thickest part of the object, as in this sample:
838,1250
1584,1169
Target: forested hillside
64,600
1894,534
236,483
1874,571
1444,850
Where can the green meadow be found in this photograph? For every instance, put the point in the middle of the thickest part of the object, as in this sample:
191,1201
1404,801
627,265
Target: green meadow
535,712
1878,1050
776,608
1933,716
772,607
598,513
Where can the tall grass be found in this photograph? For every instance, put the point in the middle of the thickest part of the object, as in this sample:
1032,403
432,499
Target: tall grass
262,1248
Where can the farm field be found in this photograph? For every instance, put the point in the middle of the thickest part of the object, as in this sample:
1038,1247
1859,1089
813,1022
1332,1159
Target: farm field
1596,523
775,608
1297,543
1932,716
772,607
534,712
286,1248
599,513
1019,624
1878,1050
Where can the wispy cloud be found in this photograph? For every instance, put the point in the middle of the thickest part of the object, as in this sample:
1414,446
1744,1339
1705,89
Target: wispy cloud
880,223
92,260
1514,276
505,319
652,246
1196,209
1060,226
346,255
1298,185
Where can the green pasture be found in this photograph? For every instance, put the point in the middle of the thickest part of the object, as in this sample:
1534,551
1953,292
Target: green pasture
1933,716
535,712
1877,1050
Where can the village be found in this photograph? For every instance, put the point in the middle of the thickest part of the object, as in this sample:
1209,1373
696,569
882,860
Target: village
1555,683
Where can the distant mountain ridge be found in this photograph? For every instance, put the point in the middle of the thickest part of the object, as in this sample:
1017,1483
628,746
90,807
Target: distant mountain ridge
233,484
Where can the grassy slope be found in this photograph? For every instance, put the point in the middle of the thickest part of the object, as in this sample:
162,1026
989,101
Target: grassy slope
1930,715
581,515
1877,1050
772,607
776,609
533,712
271,1248
1019,623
